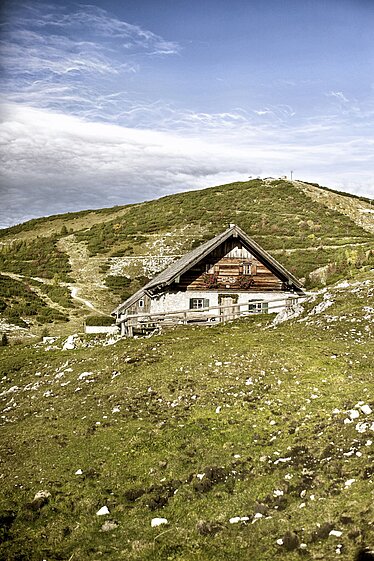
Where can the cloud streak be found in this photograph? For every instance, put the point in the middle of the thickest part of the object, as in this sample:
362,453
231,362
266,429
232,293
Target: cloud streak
64,163
49,56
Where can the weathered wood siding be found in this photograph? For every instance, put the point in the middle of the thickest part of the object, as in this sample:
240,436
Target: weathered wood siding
137,309
228,262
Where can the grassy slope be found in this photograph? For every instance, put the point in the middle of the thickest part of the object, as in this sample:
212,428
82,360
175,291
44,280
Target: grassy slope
143,424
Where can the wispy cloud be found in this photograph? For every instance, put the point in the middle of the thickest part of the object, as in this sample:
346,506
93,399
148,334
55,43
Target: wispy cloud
49,55
56,163
338,95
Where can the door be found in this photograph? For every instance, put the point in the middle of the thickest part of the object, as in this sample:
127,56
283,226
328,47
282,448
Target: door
230,309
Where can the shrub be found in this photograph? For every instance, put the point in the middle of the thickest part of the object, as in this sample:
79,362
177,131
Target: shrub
100,320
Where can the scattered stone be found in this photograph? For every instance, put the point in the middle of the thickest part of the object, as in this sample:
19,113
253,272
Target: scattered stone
78,472
236,519
349,482
109,525
42,495
158,521
103,510
366,409
336,533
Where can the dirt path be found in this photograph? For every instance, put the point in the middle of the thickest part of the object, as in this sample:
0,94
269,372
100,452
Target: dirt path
74,294
87,276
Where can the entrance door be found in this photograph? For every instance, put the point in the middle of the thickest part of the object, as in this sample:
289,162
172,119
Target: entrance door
230,310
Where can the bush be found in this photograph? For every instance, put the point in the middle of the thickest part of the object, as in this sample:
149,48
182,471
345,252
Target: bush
4,340
100,320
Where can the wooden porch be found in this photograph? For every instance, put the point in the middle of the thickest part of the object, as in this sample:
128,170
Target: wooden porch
146,322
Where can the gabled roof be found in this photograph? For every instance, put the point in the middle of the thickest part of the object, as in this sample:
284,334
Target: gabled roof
176,269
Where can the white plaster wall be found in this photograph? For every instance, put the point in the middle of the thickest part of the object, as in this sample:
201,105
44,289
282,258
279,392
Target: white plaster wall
181,300
112,329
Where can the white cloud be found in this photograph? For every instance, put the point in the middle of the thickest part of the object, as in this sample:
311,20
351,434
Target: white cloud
57,163
338,95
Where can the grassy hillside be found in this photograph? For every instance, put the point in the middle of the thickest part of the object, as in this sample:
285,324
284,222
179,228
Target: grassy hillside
253,441
108,254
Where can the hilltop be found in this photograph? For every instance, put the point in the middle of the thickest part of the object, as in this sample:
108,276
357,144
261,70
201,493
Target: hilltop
56,270
252,440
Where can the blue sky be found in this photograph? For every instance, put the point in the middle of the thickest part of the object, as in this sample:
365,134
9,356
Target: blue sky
112,102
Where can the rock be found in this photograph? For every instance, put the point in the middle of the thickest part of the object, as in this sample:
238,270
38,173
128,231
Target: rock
109,525
102,511
158,521
41,499
290,541
42,495
78,472
69,343
237,519
366,409
336,533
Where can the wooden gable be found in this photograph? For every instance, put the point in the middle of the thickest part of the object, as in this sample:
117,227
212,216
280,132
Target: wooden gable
231,265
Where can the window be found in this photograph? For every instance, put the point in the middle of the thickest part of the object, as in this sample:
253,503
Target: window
256,307
249,269
198,303
141,303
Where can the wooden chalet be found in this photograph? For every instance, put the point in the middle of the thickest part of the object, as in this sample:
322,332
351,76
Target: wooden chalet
228,276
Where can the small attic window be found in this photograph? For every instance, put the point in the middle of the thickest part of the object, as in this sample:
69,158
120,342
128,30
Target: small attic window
141,303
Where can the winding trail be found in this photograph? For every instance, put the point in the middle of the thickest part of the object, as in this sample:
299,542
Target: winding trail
85,270
74,294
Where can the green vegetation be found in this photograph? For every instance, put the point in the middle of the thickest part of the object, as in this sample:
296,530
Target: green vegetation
198,426
100,320
59,294
277,215
21,306
341,262
123,286
39,257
